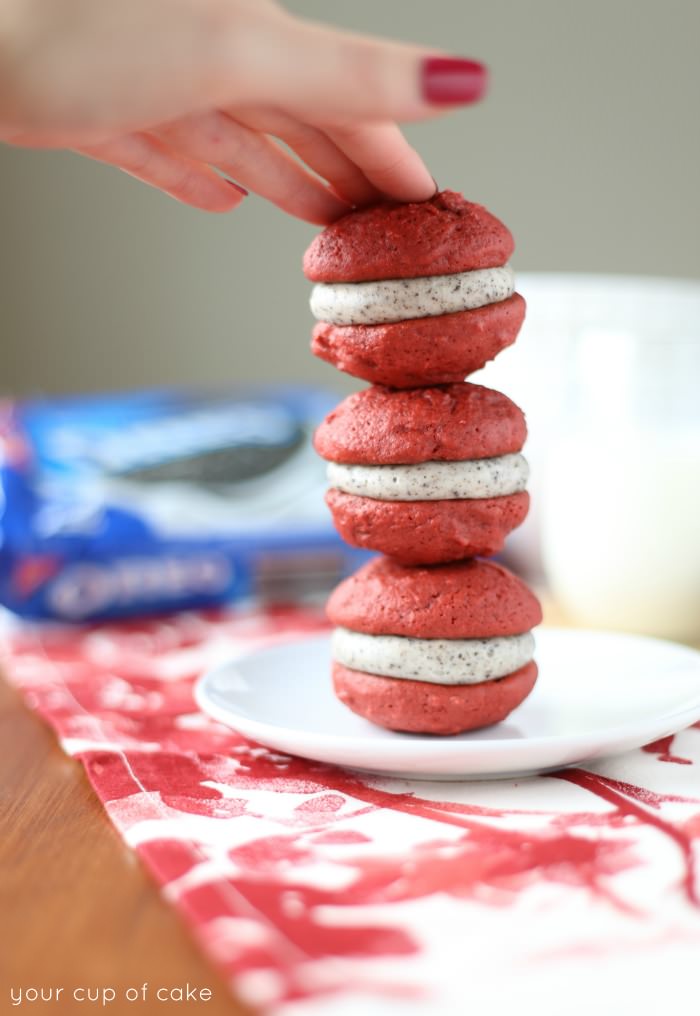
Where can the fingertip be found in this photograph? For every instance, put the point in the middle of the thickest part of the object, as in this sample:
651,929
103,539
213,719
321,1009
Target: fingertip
227,200
387,160
206,197
413,194
452,81
419,190
237,187
323,212
329,214
227,206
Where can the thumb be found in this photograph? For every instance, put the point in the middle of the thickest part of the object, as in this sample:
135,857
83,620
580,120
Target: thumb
333,78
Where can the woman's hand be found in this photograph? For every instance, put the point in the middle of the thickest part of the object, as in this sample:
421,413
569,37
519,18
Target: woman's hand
172,90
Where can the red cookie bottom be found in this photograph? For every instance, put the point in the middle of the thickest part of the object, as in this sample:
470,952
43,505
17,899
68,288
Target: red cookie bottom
427,532
421,351
420,707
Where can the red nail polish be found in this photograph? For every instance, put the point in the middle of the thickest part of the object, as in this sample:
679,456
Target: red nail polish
241,190
447,80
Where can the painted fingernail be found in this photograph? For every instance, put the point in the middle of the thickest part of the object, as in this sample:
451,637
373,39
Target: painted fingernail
241,190
452,80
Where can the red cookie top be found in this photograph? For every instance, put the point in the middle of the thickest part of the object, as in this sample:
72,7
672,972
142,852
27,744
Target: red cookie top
441,236
469,599
387,426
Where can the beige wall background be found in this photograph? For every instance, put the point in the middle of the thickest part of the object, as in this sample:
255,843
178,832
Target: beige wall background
588,147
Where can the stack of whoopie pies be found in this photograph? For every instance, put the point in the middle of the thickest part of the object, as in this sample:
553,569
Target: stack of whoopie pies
424,467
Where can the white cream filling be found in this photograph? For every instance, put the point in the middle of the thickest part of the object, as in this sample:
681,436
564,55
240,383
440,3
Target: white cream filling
433,481
440,661
355,303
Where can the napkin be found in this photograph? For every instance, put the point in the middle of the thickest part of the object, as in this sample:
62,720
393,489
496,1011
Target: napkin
316,890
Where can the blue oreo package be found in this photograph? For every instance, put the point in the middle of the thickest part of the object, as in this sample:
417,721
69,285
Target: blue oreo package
144,502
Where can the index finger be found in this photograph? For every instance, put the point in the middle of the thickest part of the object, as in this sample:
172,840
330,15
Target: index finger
387,160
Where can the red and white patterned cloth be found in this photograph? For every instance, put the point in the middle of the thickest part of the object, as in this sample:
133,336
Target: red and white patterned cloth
318,892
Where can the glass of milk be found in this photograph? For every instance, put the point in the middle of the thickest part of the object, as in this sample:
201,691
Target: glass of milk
607,369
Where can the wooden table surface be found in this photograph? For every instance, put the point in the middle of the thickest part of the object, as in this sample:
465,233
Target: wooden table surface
76,907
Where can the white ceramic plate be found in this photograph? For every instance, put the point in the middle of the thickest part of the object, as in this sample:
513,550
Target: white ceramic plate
598,693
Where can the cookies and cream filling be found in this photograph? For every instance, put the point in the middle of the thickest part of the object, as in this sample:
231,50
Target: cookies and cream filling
439,661
365,303
433,481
